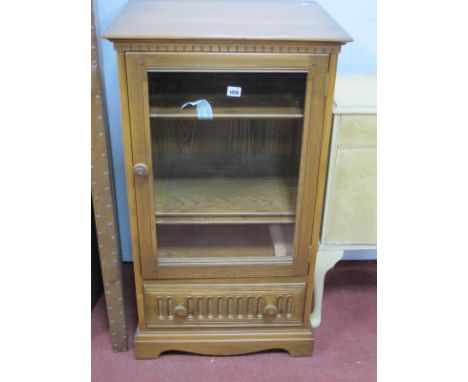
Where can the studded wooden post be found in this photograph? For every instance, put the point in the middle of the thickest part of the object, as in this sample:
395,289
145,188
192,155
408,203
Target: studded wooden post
103,203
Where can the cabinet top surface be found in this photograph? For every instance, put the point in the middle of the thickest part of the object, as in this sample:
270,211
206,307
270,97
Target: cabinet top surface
271,20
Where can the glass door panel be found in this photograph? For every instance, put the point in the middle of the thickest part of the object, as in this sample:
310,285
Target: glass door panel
225,158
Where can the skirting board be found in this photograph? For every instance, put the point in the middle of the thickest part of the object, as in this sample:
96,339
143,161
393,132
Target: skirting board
360,254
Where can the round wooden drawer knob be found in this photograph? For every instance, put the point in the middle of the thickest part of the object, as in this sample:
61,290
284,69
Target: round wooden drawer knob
180,311
270,310
140,170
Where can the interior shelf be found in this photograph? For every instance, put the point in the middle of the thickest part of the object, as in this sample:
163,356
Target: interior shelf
225,200
248,107
201,241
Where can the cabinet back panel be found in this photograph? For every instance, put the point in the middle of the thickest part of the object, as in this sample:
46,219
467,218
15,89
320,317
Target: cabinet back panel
267,89
193,148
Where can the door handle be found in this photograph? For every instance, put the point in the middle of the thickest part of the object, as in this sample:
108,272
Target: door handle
140,170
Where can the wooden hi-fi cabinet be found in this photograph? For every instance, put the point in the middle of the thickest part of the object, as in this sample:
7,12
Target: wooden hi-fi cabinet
226,115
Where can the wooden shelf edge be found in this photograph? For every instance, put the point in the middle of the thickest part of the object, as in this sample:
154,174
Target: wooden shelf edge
222,261
228,116
220,200
252,219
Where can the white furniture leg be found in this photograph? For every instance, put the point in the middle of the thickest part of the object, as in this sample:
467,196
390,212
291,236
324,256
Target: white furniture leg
326,259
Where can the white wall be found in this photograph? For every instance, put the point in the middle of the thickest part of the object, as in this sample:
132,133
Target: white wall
357,17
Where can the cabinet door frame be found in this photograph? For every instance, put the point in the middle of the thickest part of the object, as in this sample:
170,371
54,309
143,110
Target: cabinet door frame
137,66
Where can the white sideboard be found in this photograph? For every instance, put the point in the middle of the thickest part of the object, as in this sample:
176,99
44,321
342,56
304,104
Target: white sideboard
350,209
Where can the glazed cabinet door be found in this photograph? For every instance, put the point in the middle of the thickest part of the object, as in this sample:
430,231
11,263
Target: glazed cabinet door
225,151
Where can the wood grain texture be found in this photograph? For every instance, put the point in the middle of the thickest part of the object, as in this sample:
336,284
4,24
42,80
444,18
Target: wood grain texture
214,240
138,260
192,200
309,162
263,94
222,62
225,20
231,46
139,64
237,136
246,112
290,142
321,176
137,78
224,304
231,148
150,344
137,83
209,242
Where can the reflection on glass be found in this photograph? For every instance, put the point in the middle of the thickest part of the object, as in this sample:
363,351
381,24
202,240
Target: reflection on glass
225,179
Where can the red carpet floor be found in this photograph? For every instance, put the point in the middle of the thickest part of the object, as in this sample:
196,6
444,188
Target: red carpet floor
345,347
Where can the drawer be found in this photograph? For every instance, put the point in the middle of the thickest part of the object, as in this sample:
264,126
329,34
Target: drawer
352,202
358,130
222,304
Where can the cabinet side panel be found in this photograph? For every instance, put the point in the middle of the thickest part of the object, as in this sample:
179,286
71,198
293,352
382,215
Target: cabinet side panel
310,160
321,178
330,179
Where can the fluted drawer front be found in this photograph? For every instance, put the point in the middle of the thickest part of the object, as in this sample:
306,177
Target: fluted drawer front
224,304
